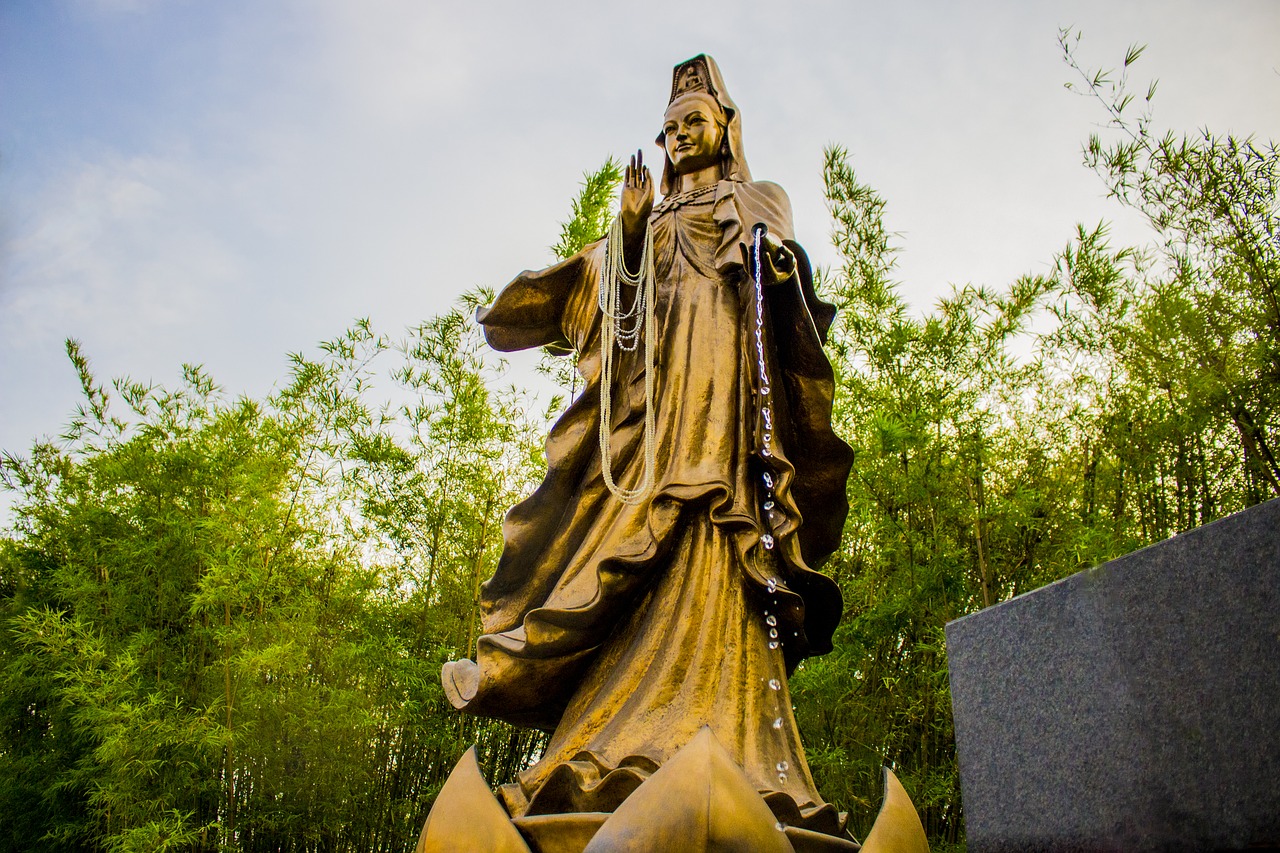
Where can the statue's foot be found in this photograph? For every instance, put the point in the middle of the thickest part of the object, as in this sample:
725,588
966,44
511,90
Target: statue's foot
461,680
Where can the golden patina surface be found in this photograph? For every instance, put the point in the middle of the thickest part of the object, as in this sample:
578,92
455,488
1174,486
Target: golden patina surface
706,803
700,801
897,828
467,817
626,630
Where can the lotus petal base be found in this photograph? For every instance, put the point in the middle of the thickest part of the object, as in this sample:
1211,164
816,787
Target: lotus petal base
700,802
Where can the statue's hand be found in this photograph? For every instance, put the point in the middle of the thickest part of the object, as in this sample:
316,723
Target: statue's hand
637,200
777,262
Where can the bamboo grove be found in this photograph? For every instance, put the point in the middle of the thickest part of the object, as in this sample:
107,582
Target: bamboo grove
223,619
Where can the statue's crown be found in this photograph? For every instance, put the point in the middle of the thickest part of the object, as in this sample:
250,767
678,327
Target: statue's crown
692,75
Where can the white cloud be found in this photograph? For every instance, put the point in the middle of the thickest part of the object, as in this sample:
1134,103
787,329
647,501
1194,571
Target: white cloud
395,61
111,246
116,7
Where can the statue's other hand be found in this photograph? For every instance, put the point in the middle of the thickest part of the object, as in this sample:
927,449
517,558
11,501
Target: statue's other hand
777,262
637,197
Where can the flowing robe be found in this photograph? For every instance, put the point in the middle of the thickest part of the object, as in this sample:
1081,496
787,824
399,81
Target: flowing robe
624,628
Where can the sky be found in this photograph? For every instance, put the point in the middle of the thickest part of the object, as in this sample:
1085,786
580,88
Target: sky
226,183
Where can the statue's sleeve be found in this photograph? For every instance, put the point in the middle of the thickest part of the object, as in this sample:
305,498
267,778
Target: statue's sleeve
799,321
555,308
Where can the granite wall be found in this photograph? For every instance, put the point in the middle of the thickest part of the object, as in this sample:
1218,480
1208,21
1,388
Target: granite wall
1131,707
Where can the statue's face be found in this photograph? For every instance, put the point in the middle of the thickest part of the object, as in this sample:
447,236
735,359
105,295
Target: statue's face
691,135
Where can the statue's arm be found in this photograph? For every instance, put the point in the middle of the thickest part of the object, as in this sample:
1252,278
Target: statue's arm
554,308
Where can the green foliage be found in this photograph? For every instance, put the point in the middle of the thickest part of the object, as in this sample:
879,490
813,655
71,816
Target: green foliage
224,620
1201,337
592,211
946,508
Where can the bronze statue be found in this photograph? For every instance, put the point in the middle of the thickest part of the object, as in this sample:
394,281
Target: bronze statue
636,604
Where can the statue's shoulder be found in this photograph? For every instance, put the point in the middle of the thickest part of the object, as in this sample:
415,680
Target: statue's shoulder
765,186
763,201
761,192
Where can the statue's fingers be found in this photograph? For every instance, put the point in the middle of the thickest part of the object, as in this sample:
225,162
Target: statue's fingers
783,263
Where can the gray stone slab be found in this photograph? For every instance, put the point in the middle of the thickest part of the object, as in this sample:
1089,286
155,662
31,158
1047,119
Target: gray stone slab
1131,707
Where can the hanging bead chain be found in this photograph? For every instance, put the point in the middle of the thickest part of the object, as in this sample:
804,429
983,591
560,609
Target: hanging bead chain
622,329
766,412
766,539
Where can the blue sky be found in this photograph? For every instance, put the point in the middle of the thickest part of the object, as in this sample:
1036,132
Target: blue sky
224,183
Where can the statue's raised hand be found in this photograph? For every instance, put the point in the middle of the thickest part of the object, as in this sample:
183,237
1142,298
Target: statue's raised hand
637,204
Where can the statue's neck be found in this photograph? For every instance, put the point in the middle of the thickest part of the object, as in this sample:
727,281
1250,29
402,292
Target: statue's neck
700,178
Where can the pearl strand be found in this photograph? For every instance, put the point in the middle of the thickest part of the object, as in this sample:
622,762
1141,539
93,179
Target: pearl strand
622,330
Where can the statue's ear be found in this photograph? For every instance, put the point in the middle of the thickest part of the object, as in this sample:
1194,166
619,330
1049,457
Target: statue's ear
727,161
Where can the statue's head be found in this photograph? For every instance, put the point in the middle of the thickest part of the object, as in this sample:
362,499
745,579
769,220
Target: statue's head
693,133
700,108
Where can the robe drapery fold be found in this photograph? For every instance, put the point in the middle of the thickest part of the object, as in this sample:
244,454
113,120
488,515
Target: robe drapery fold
648,621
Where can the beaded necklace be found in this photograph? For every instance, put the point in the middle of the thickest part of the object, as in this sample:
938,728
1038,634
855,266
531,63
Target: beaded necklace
677,199
622,329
